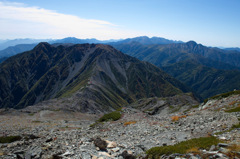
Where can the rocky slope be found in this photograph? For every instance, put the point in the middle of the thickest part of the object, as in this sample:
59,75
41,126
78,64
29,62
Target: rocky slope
56,134
88,78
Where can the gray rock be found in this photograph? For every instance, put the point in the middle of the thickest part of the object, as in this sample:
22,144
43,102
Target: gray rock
212,148
222,145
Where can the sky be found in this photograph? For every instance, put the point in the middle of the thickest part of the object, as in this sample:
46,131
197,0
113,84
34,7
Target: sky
209,22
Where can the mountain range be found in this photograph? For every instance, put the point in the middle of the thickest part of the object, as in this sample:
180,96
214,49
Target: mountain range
17,44
207,70
13,47
90,77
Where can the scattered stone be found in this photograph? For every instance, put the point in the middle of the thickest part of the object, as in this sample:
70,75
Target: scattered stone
94,157
222,145
56,156
212,148
111,144
222,138
121,141
68,153
104,154
126,155
116,149
101,144
49,140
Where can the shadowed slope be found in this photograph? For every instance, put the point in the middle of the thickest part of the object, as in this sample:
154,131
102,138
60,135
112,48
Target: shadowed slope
91,77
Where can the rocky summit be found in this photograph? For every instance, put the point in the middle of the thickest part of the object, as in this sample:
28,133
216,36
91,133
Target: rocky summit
85,77
138,133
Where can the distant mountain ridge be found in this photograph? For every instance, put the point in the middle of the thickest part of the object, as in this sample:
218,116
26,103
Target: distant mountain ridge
208,71
13,47
146,40
7,43
13,50
162,55
91,77
233,49
74,40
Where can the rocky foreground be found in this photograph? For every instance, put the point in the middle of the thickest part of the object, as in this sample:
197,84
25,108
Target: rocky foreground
57,134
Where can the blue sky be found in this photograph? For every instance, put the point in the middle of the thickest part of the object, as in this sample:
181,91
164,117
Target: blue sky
210,22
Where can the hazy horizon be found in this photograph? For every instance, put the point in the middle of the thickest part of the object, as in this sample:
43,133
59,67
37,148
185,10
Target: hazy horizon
212,23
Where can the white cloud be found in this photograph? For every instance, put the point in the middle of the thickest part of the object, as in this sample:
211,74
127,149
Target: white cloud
20,21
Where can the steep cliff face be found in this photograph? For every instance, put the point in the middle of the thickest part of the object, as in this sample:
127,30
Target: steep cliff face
92,77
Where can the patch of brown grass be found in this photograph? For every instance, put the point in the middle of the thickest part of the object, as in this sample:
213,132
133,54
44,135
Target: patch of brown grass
176,118
193,150
234,147
232,154
233,102
129,123
232,151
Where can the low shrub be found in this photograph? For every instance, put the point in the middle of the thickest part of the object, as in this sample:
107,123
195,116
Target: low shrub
193,150
9,139
237,109
36,121
110,116
233,127
236,126
182,147
223,95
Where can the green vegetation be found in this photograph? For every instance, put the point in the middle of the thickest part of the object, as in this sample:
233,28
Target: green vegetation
9,139
110,116
236,126
113,116
237,109
31,114
195,106
36,121
182,147
223,95
232,128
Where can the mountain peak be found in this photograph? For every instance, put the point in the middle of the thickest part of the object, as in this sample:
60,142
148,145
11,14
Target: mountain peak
97,77
191,43
43,46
